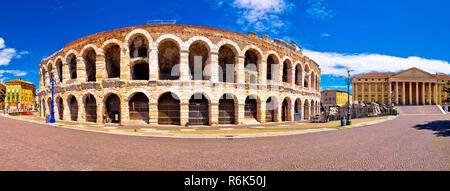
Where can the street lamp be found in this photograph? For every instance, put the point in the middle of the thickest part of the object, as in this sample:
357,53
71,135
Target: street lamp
52,109
348,81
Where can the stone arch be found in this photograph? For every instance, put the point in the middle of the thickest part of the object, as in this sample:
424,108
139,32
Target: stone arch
307,76
169,53
169,109
138,45
227,109
89,56
229,43
138,105
50,71
287,71
252,65
251,108
199,109
72,104
313,80
200,51
228,59
306,110
60,105
286,109
298,74
112,50
273,65
271,109
90,107
298,106
71,60
212,47
112,108
59,69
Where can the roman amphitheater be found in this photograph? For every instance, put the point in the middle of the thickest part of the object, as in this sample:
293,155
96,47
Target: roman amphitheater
149,74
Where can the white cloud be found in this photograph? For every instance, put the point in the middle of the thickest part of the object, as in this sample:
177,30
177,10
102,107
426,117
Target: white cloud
325,35
260,15
6,54
13,72
336,63
2,43
319,10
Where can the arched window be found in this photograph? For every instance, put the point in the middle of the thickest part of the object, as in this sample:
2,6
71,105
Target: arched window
139,108
198,110
72,62
112,107
199,58
168,109
226,109
227,63
251,64
138,47
90,62
168,58
272,63
139,70
90,106
112,60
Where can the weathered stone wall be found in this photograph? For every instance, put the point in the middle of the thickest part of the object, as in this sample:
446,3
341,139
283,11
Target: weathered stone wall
183,36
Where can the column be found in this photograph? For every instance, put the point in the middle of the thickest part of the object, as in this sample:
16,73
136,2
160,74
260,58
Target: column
382,92
410,93
355,89
396,93
184,113
417,93
429,93
435,94
153,113
423,93
370,92
214,114
376,92
215,67
403,93
125,61
363,90
153,64
390,92
184,66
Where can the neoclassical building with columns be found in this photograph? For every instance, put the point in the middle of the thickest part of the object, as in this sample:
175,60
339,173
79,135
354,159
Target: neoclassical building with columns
408,87
147,74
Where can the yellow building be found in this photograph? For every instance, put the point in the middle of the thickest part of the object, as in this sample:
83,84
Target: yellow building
20,94
408,87
335,97
2,95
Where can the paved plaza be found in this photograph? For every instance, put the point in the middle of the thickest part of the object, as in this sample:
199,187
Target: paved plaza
409,142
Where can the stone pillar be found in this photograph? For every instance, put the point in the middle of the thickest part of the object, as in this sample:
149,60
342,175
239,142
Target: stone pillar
215,67
100,65
184,113
81,70
383,86
153,68
100,112
184,65
81,109
263,73
66,72
124,113
355,88
376,92
390,93
125,63
410,93
370,92
66,110
262,111
435,94
302,110
403,93
396,93
240,70
213,114
153,113
363,88
423,93
417,93
429,93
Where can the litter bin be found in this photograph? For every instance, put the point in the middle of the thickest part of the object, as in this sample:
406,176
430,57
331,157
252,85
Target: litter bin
343,120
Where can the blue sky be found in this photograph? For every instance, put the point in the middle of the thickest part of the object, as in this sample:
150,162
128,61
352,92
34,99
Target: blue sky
378,36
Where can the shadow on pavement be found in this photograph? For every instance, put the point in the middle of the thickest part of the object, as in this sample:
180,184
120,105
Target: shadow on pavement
441,127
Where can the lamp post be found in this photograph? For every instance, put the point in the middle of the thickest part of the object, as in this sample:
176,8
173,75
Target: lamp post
52,109
348,81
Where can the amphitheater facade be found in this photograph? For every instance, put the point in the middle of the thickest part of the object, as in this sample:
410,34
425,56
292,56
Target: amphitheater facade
145,74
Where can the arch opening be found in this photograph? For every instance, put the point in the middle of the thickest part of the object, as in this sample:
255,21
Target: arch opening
72,66
60,105
272,63
198,110
227,64
226,109
112,104
169,58
90,106
298,74
271,107
112,61
168,109
73,106
199,58
251,64
90,61
139,107
306,111
59,70
285,110
251,108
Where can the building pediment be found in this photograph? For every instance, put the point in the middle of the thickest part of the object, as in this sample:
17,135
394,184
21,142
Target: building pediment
413,73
